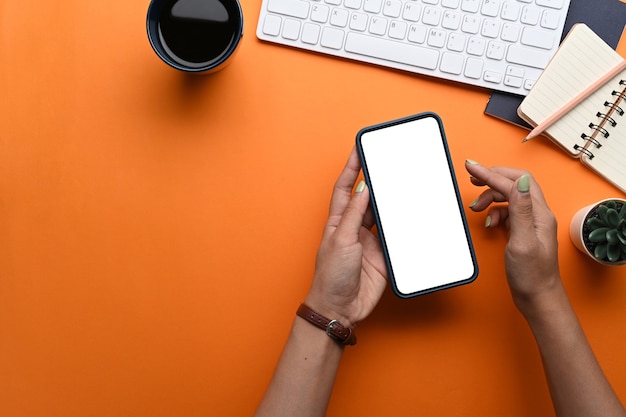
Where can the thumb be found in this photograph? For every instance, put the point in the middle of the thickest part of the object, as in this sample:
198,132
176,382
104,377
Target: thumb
521,218
352,218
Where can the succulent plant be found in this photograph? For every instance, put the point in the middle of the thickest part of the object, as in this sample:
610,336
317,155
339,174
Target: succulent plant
605,231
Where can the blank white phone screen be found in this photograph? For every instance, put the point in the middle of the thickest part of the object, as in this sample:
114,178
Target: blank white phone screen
417,205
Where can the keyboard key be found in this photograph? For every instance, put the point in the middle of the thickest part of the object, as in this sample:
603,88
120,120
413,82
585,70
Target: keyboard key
319,13
490,8
310,33
538,38
411,12
490,29
417,33
470,6
339,17
392,8
510,11
550,19
473,68
352,4
332,38
530,15
397,30
476,46
515,71
555,4
291,29
496,50
451,63
436,38
456,42
358,21
492,77
513,81
372,6
392,51
271,25
451,20
431,16
510,32
450,4
293,8
527,56
471,24
333,2
378,26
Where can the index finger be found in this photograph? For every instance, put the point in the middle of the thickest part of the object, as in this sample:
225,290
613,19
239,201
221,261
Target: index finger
342,190
501,179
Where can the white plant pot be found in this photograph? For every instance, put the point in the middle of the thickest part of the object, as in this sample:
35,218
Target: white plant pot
576,230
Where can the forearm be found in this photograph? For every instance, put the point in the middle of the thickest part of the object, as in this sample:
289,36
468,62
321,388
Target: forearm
305,374
577,384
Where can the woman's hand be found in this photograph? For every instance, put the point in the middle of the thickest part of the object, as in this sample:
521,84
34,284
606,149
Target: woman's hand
350,272
531,255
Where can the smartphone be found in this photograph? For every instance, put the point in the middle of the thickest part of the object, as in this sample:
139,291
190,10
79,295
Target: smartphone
417,205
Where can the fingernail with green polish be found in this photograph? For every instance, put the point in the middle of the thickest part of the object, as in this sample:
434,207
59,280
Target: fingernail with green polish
360,187
471,162
488,222
473,203
523,184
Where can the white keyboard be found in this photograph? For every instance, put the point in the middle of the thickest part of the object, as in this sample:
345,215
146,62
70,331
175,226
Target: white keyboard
497,44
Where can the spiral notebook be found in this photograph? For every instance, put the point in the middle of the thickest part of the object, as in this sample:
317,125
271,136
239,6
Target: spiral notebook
595,130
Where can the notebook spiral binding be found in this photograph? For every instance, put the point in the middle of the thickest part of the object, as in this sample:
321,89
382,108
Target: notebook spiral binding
617,109
606,119
598,128
591,139
585,151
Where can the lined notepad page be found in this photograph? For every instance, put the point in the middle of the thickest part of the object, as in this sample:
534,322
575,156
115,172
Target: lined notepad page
582,58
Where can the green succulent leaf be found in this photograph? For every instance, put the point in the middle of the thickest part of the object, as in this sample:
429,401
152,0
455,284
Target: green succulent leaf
599,235
611,204
622,239
611,237
600,251
613,253
612,217
594,223
622,212
602,213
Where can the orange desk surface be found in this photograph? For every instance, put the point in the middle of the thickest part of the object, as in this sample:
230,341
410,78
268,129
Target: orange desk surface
158,231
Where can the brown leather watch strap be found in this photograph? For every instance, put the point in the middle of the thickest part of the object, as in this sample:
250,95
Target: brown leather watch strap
333,328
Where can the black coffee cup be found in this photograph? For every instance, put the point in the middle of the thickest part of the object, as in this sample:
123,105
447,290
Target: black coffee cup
198,36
